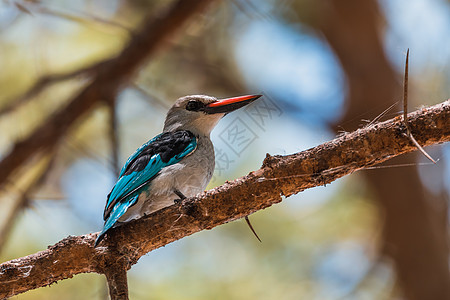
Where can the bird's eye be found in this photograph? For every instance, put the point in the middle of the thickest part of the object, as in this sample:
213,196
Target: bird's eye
194,105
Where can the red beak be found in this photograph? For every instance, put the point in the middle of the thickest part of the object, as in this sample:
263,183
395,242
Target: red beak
230,104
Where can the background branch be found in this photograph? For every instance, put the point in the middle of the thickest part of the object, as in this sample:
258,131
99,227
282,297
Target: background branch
415,227
110,77
279,176
22,188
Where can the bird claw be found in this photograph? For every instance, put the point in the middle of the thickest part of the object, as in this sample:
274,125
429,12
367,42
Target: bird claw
179,194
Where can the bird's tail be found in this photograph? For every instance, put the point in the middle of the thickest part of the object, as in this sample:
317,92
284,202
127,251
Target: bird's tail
99,238
118,211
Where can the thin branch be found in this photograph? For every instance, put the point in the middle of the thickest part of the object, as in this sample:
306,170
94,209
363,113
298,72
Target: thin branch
111,77
279,176
405,91
405,111
247,220
378,118
413,218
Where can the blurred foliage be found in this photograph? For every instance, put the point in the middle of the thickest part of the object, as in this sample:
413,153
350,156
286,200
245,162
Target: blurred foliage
320,244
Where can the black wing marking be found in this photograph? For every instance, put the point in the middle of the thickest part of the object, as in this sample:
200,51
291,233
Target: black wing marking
167,145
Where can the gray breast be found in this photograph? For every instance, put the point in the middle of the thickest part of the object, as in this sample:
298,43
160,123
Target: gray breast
197,169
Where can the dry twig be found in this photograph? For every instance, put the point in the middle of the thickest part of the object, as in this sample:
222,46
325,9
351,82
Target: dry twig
405,111
415,221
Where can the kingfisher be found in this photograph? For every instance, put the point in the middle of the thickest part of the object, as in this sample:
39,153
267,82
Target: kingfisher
174,165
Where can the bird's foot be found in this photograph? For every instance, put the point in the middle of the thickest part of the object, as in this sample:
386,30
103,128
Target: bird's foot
179,194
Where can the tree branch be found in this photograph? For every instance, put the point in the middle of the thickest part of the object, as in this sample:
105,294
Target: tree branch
279,176
116,275
354,31
110,77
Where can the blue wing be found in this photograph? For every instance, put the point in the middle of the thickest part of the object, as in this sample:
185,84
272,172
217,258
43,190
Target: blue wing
164,150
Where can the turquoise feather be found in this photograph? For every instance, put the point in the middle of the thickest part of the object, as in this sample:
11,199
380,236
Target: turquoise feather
128,188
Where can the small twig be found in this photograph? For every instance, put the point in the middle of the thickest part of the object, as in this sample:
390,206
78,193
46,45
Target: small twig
405,91
252,229
405,111
377,118
399,165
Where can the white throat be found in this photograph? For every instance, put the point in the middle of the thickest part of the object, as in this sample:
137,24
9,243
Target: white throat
198,123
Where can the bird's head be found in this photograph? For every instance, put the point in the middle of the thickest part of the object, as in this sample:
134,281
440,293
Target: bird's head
199,113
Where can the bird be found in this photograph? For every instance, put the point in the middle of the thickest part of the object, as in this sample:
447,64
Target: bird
174,165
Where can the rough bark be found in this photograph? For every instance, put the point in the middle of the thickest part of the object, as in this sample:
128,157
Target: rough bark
109,77
116,276
415,221
279,176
